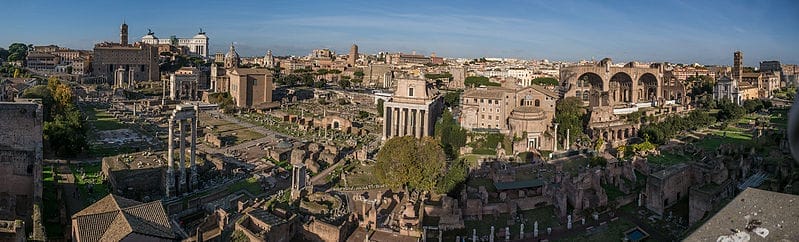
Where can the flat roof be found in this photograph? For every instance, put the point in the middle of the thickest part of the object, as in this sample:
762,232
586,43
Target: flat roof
752,211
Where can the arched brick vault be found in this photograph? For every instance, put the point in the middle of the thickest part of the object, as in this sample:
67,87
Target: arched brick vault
631,83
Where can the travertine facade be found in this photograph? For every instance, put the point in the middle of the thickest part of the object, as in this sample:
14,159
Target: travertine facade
512,110
632,83
735,89
124,64
197,45
184,83
250,88
20,160
413,110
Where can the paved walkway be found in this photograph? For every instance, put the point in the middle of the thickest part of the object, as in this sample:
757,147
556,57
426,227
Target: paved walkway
67,181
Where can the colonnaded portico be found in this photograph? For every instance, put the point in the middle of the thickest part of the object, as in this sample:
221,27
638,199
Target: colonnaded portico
183,115
632,83
413,110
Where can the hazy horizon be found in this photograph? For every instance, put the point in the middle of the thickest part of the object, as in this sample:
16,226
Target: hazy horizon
669,31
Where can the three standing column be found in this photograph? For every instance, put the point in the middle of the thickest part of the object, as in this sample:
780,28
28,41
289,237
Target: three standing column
170,172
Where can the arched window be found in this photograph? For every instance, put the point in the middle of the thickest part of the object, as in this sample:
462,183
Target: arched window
537,103
585,96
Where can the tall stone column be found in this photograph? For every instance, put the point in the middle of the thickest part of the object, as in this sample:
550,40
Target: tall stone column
418,123
395,117
425,125
182,165
556,138
194,122
403,122
170,171
567,141
387,122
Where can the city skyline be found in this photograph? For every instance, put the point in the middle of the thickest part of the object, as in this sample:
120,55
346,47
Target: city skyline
674,31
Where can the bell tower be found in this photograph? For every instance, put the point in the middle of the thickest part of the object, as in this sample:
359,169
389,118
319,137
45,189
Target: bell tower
123,34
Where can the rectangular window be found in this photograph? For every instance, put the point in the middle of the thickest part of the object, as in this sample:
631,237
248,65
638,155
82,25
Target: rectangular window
410,91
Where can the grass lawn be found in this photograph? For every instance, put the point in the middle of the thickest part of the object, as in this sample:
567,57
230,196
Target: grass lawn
612,191
51,204
667,159
779,117
612,231
573,165
360,176
544,215
102,120
713,141
477,182
483,227
106,150
92,179
231,133
250,184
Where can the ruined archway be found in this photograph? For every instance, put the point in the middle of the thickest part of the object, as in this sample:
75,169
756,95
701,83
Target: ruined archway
592,80
648,84
620,88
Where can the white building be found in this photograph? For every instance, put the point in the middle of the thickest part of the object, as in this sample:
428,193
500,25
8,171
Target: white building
197,45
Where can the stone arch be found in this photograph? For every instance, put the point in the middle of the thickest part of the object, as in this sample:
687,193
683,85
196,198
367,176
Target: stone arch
620,87
626,133
619,134
594,81
649,87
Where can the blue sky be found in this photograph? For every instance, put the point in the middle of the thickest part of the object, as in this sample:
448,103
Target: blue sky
677,31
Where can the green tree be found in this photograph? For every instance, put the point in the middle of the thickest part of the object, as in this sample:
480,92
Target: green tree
43,93
63,130
453,99
407,161
475,81
729,110
450,134
344,83
546,81
3,54
454,177
569,114
224,100
17,52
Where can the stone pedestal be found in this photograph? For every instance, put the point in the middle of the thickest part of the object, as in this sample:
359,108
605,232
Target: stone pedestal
491,236
569,222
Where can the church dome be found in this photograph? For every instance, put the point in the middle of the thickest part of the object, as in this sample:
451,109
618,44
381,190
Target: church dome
231,54
232,58
528,113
